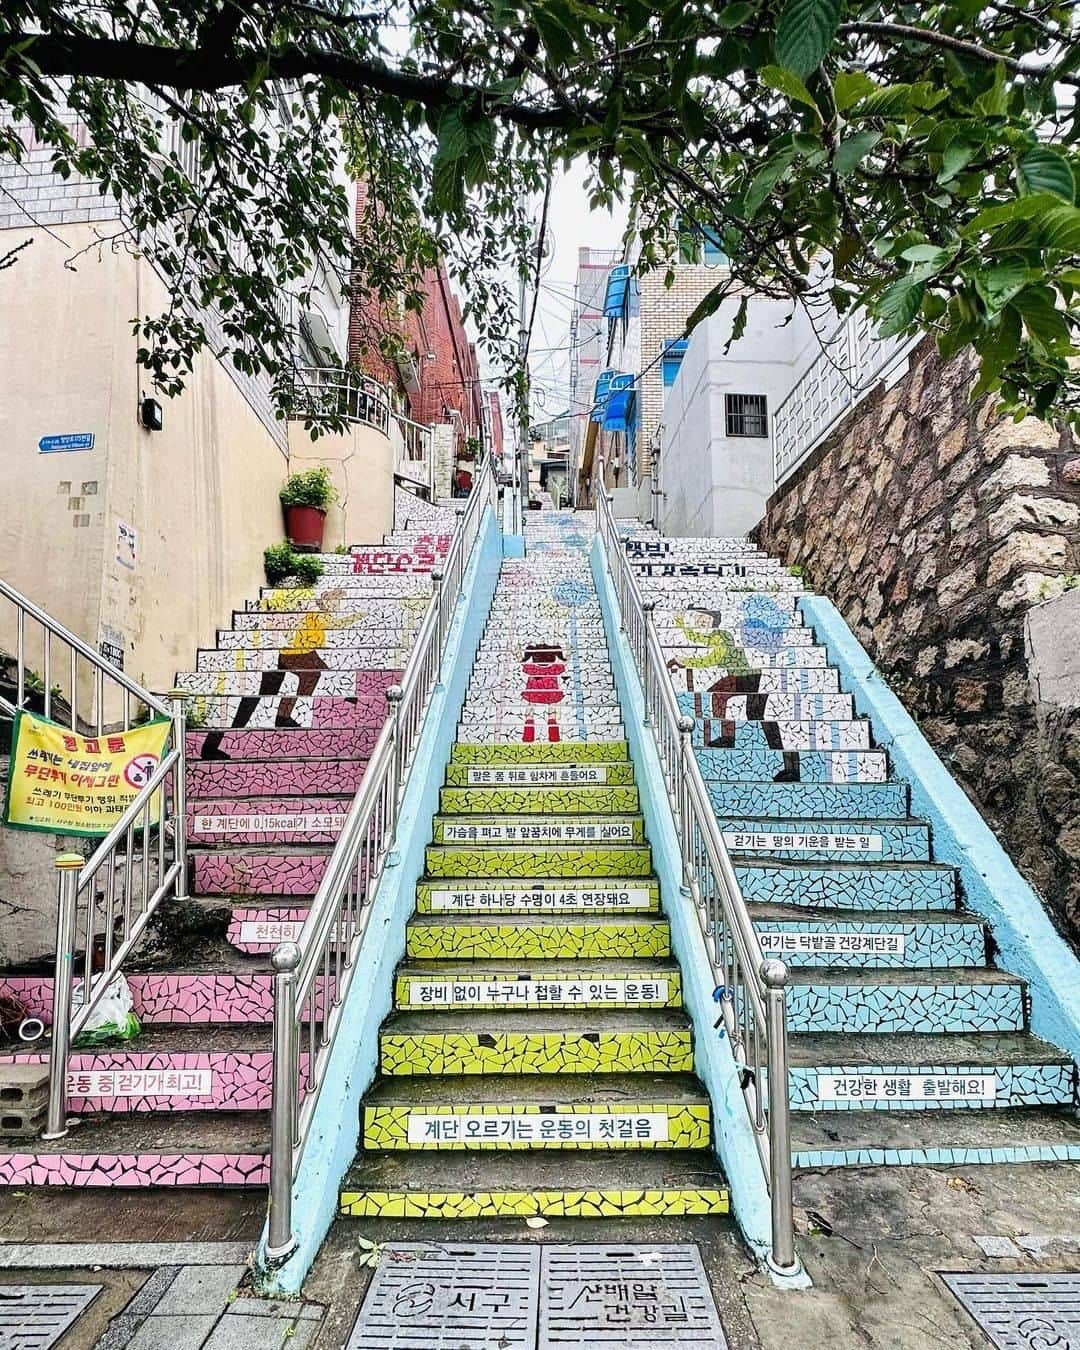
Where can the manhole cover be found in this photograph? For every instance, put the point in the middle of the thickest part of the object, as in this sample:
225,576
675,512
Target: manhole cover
653,1297
451,1296
35,1316
1022,1312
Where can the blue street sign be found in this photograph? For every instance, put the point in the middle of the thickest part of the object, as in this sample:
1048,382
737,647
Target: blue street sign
76,440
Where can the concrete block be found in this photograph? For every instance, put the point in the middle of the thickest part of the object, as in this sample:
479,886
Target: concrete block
172,1333
199,1289
235,1332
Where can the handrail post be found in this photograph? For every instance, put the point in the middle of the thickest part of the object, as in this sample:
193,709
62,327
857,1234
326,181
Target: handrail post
782,1258
685,726
438,577
459,561
648,608
178,699
68,867
285,1092
394,695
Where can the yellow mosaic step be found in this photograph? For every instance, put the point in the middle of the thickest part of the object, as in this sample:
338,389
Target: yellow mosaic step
563,752
579,831
605,895
517,1042
485,1186
485,937
538,860
541,1112
533,777
518,801
446,985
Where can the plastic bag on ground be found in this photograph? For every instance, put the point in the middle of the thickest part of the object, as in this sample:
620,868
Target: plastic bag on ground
114,1017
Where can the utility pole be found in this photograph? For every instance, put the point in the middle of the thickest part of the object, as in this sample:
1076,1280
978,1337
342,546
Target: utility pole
523,408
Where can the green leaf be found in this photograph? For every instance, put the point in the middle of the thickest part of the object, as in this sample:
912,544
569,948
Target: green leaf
453,136
995,101
558,41
931,256
850,153
766,179
998,284
885,102
898,304
1045,323
775,77
731,16
957,155
1045,170
1059,228
1020,208
804,33
850,86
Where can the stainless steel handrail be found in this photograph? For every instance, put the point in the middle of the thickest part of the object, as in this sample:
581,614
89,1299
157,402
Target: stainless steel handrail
750,990
312,975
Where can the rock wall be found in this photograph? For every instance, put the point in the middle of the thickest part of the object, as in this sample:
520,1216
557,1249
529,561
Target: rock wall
935,526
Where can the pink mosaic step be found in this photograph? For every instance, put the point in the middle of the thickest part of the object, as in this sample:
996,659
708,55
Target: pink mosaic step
144,1149
319,713
165,999
267,820
280,777
288,742
257,872
229,1071
258,931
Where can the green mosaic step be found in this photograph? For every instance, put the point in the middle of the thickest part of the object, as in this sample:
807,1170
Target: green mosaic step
540,1112
538,860
576,830
478,896
447,985
514,1042
593,1185
598,773
563,752
486,937
554,800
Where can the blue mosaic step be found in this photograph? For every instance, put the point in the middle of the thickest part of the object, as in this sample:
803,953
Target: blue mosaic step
746,663
857,840
795,766
690,675
853,940
902,1002
811,801
769,707
712,733
940,1139
862,886
927,1073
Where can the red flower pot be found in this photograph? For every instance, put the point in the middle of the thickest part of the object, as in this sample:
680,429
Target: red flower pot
304,526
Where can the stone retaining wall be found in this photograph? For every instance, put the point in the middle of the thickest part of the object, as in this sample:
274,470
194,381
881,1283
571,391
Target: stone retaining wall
935,526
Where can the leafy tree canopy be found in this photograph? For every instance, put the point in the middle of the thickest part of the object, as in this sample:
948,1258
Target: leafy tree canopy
918,159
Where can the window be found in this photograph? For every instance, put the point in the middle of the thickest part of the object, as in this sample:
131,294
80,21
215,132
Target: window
700,245
674,351
747,415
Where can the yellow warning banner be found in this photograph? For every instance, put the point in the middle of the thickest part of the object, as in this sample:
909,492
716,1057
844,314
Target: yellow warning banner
65,783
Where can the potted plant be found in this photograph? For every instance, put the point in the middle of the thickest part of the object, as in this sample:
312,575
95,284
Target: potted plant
305,498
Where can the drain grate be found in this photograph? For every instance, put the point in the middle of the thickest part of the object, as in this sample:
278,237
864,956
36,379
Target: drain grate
1020,1312
35,1316
451,1296
626,1297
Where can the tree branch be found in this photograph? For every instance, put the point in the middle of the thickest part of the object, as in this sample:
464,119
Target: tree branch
906,32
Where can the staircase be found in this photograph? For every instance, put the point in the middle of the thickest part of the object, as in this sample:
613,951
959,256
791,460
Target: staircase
537,1061
907,1045
285,710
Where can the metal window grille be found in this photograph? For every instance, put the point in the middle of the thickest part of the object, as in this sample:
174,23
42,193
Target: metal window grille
747,415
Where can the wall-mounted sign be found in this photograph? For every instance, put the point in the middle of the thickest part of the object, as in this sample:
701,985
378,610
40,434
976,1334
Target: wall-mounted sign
75,440
112,653
125,545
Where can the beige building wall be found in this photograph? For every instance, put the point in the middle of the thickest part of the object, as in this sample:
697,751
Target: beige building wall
361,463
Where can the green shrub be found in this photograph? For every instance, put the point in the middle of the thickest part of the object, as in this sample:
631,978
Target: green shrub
307,568
310,488
278,560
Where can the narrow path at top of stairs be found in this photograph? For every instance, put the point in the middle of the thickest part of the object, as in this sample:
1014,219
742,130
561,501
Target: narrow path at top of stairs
285,709
538,1061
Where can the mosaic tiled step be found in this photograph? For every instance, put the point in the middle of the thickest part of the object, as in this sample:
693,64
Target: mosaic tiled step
737,576
736,612
446,985
811,801
333,660
689,676
604,895
365,631
937,1139
538,860
274,777
342,618
254,683
895,1002
554,800
515,1042
546,829
568,729
863,886
337,595
596,752
286,742
171,1069
494,1185
533,777
713,733
769,707
916,1073
794,766
267,820
257,930
857,840
852,940
674,630
503,677
661,547
486,937
631,1111
265,711
745,661
193,1150
257,871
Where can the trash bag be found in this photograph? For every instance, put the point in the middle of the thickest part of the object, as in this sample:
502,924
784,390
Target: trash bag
113,1019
